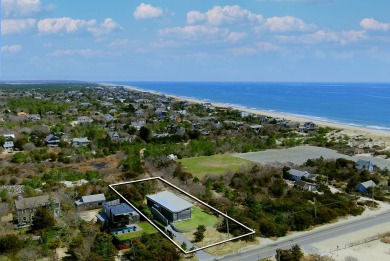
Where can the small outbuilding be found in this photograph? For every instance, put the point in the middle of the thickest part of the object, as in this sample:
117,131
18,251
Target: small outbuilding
364,186
172,207
90,202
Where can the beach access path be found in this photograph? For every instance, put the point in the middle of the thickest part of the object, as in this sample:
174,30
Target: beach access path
299,155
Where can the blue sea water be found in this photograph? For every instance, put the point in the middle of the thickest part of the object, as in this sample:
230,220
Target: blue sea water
359,104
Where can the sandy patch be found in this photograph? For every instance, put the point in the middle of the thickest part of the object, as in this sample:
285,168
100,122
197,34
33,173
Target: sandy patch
89,215
212,236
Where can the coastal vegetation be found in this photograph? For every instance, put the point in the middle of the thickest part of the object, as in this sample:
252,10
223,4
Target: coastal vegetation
131,135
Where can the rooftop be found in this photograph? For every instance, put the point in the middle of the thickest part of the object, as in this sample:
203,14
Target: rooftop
170,201
33,202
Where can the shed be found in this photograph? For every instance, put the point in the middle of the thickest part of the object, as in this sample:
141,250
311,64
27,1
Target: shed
90,202
364,186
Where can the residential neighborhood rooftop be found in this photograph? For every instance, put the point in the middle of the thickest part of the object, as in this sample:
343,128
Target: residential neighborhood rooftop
170,201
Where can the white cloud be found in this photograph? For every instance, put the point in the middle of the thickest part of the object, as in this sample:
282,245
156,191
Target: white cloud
344,37
108,26
147,11
23,8
192,31
11,48
69,25
63,24
372,24
76,52
219,15
12,26
286,24
235,37
259,47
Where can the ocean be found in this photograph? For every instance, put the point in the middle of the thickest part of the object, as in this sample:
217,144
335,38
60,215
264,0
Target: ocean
358,104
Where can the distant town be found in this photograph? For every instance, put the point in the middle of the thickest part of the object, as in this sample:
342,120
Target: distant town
64,143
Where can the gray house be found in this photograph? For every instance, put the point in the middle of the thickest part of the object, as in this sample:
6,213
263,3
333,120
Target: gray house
80,141
297,174
117,216
52,141
172,207
8,146
303,185
25,208
364,164
90,202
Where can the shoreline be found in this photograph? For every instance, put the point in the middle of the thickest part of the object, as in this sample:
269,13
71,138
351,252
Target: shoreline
351,130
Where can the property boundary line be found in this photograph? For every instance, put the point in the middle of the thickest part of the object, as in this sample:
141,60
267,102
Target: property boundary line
189,195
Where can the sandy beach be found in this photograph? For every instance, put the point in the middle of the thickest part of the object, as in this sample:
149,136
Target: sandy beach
348,130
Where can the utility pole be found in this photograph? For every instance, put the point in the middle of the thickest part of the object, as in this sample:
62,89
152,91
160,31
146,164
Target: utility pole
315,208
227,224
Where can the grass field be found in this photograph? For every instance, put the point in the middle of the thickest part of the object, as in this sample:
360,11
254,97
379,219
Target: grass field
198,217
146,228
216,164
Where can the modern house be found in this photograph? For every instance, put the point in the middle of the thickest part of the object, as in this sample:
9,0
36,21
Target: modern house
297,174
364,164
364,186
90,202
171,207
9,136
52,141
80,142
8,146
303,185
117,216
25,208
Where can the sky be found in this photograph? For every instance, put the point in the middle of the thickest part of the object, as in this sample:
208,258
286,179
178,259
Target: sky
196,40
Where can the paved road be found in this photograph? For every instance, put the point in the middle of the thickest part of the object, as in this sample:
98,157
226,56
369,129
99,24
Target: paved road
310,238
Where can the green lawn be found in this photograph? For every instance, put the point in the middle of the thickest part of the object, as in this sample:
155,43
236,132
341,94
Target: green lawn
146,228
216,164
198,217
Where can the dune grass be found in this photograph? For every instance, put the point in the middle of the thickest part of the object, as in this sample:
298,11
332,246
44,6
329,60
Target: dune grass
198,217
216,164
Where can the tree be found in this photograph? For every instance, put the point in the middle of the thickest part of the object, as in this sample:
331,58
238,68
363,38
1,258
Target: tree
199,233
292,254
43,220
103,246
144,133
10,244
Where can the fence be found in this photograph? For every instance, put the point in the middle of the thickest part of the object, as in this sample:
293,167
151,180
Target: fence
356,243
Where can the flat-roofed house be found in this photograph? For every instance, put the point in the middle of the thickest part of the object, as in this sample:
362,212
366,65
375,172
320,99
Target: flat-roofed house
90,202
117,216
25,208
172,207
8,146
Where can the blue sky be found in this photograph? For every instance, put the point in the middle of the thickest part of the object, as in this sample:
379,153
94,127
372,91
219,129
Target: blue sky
192,40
